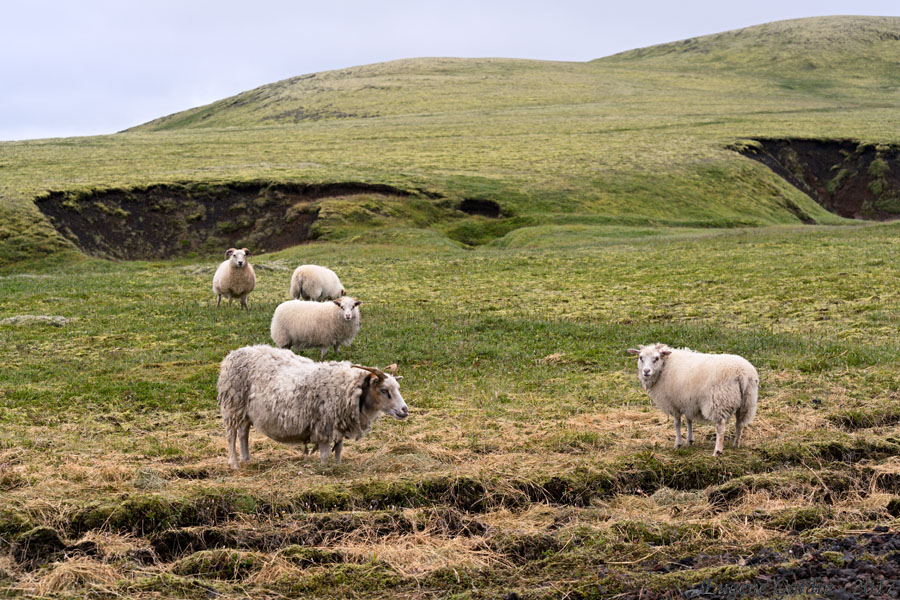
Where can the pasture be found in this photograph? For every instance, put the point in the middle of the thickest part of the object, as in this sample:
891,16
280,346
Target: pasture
532,461
511,227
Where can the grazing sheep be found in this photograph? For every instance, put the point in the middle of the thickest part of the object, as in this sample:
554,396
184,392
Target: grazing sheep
294,400
313,282
235,277
306,324
711,387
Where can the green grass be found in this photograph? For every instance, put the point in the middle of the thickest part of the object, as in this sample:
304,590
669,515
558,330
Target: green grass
521,394
532,461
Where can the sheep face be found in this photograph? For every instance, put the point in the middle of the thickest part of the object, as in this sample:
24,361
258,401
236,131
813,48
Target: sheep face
349,307
238,257
651,360
384,392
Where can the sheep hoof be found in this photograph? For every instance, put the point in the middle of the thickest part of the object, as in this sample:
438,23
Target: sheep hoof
717,453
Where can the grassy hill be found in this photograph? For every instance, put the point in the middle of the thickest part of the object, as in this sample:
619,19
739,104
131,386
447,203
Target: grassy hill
636,139
512,227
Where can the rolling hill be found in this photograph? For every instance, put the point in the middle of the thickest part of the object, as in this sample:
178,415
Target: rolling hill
641,138
511,227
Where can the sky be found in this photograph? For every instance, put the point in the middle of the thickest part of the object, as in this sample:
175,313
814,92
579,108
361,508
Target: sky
91,67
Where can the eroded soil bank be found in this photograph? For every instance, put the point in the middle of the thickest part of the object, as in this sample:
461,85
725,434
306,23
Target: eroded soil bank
165,220
849,178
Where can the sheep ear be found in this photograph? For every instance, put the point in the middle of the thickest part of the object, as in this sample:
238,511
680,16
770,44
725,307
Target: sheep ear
391,369
357,303
398,377
666,351
338,302
633,351
246,251
229,252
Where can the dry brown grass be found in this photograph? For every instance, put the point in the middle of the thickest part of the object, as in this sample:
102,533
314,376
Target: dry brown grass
84,575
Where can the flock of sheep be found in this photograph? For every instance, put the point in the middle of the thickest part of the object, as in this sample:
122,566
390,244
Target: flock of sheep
295,400
290,398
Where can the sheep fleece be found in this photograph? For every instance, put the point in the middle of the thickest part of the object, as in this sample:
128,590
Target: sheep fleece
290,398
709,386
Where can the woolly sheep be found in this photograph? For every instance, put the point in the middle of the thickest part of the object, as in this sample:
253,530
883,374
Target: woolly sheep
711,387
306,324
313,282
294,400
235,277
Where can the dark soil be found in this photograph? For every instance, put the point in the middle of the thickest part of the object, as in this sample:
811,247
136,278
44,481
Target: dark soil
851,179
161,221
849,568
475,206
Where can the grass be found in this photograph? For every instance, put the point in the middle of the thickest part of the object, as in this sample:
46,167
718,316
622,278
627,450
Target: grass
532,462
531,447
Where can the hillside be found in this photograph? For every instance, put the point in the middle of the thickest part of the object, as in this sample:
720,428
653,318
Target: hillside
511,229
646,138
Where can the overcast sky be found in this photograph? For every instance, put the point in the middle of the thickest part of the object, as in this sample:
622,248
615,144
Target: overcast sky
87,67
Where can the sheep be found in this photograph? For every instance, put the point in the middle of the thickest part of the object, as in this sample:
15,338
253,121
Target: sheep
711,387
313,282
235,277
307,324
294,400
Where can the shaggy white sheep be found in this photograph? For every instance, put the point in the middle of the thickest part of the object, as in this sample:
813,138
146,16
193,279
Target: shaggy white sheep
711,387
235,277
324,325
294,400
312,282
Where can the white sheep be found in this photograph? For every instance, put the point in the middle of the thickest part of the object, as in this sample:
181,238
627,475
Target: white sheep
294,400
711,387
235,277
306,324
312,282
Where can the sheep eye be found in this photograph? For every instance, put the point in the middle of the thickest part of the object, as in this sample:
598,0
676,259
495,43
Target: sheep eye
655,358
386,392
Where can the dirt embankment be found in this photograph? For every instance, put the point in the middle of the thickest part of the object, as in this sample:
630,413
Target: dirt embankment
165,220
849,178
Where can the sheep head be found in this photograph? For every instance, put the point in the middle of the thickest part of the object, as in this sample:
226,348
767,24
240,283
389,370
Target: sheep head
651,360
238,257
349,307
383,392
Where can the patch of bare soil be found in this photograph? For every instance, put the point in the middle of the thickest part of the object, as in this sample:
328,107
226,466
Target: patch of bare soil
161,221
849,178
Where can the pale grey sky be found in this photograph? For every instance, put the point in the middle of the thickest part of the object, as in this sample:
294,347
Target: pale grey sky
99,66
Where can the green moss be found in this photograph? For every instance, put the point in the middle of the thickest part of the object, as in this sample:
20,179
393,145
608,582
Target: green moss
220,564
876,186
879,168
305,556
800,519
347,579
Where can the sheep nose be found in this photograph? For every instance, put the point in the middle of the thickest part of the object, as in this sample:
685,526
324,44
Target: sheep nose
646,371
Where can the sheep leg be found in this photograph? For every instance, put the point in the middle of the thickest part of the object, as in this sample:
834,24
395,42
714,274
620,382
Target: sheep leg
720,437
218,300
324,450
232,455
338,446
738,430
690,426
244,439
678,441
244,301
324,352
